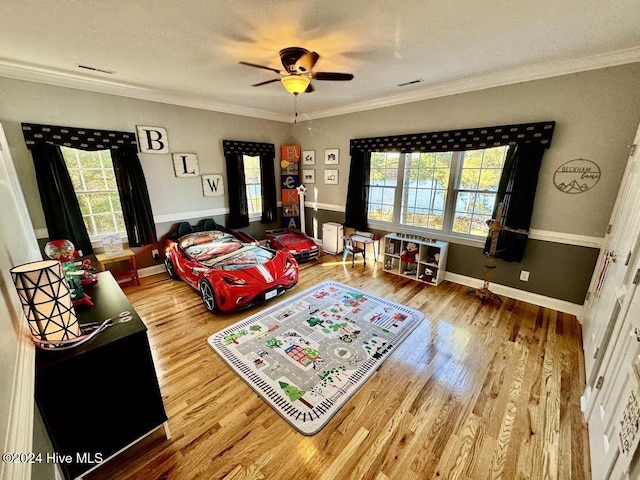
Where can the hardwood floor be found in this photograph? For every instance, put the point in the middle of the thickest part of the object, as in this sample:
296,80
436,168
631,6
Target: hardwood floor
476,392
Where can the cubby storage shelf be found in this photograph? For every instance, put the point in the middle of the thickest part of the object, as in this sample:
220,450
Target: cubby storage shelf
418,258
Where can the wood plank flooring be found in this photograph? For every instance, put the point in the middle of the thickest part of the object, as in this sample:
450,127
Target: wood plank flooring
476,392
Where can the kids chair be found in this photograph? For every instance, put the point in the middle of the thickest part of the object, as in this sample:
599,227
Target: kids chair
351,248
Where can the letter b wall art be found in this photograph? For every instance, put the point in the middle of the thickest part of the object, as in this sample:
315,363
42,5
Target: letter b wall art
152,139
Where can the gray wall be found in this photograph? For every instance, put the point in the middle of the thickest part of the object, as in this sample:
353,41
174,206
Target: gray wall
189,130
596,114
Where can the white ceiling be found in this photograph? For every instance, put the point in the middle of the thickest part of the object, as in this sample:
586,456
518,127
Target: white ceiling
186,52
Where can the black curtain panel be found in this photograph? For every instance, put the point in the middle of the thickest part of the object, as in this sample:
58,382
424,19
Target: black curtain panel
59,202
134,197
238,207
267,178
237,187
357,207
517,191
132,186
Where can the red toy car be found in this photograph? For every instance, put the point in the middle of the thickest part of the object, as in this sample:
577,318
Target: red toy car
299,244
229,272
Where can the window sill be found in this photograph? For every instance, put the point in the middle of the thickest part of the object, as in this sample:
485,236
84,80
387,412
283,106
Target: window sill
444,237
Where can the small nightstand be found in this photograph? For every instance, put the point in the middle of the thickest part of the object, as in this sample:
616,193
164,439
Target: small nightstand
127,255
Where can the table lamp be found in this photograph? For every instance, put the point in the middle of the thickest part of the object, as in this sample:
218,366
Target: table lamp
47,304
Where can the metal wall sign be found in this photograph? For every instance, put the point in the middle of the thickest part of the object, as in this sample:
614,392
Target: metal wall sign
576,176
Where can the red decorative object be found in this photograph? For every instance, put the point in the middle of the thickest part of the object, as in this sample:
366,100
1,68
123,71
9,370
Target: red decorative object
409,254
300,245
65,252
228,271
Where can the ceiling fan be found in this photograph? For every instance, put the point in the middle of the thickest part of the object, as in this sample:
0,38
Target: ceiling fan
297,75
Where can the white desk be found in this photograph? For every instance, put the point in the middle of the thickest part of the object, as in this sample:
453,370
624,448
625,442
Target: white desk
358,237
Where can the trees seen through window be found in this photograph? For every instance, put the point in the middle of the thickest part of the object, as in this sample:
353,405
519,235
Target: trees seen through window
450,192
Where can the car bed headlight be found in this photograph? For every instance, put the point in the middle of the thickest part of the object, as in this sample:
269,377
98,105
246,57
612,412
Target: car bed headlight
233,281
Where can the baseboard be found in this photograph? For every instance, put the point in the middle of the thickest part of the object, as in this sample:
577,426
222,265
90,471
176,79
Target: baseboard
529,297
152,270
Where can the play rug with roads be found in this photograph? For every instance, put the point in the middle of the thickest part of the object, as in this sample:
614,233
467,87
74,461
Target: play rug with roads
308,354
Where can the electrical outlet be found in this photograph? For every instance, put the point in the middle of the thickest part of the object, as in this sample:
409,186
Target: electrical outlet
155,254
524,275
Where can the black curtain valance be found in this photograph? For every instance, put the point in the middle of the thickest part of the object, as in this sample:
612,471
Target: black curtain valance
80,138
253,149
458,140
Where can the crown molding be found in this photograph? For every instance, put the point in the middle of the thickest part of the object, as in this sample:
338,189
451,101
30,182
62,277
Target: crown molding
490,80
34,73
37,74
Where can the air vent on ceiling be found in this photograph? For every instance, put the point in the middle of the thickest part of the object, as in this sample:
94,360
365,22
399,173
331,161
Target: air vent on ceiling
94,69
419,80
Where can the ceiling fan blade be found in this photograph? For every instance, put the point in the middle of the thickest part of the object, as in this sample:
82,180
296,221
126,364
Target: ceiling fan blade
332,76
306,62
266,82
259,66
310,89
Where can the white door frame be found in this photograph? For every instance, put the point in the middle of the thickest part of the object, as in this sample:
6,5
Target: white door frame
18,245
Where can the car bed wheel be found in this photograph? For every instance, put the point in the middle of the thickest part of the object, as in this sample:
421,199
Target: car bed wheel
208,297
168,264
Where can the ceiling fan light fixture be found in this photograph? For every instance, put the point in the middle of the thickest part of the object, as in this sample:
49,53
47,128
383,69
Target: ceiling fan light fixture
295,84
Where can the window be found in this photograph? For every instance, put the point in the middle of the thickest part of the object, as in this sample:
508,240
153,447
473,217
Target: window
424,195
383,181
476,189
450,192
254,186
94,182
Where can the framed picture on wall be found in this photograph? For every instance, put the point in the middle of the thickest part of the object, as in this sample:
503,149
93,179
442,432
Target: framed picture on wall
308,176
332,156
309,157
331,177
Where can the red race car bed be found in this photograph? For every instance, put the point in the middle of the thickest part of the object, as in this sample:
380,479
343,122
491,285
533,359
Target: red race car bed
229,272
